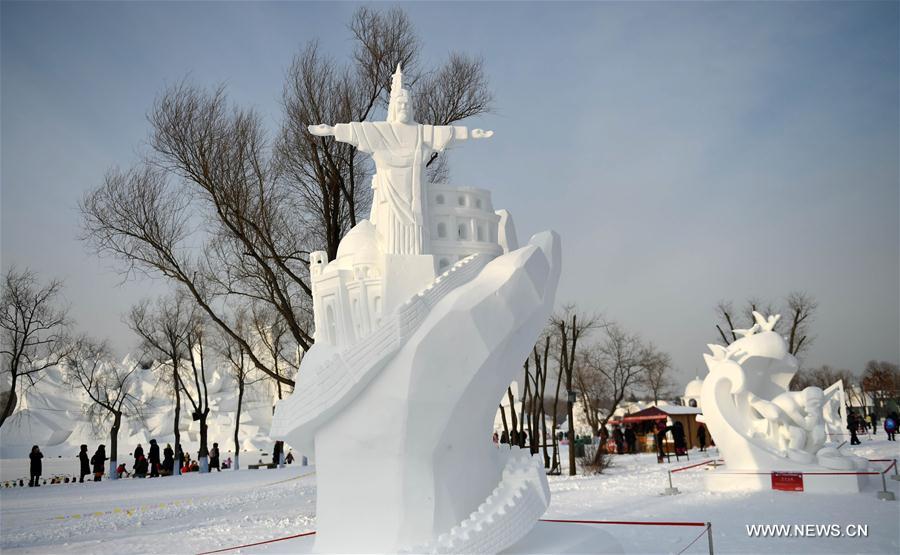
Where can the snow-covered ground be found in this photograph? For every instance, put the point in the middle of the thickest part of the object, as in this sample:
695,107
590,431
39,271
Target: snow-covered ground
197,513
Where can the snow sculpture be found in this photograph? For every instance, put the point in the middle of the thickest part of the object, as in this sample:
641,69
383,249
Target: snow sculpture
759,425
422,321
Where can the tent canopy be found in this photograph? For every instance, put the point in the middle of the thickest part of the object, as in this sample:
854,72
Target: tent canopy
659,413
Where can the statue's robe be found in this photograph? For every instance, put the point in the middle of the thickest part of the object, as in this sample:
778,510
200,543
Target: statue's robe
400,152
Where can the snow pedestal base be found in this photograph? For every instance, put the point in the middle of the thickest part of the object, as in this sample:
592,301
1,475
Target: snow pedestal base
722,479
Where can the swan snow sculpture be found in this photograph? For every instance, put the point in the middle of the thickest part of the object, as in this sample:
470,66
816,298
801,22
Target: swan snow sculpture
760,426
419,331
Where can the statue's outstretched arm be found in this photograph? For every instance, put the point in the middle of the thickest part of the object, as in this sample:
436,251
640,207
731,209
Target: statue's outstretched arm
321,130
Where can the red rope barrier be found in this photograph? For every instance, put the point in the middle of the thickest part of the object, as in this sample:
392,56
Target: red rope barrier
258,543
808,473
635,523
692,466
688,546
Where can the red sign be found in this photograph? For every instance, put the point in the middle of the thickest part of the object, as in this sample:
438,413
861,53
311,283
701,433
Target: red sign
787,481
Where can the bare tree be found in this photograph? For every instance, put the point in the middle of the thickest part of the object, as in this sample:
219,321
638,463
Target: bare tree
656,373
230,217
615,364
570,327
33,327
797,313
591,388
193,385
208,163
272,343
242,372
110,386
163,329
822,377
881,380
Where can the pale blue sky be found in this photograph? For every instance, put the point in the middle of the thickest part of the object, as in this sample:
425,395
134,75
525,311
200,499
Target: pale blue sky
686,152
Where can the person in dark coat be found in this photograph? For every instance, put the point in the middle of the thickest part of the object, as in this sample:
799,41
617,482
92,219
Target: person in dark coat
853,426
140,467
619,438
890,426
504,438
138,452
701,437
214,458
36,466
98,461
277,451
679,439
153,459
168,463
631,439
85,462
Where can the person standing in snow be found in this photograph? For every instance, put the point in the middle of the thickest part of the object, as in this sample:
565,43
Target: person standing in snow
277,451
853,426
140,467
97,461
168,463
138,452
214,457
890,426
36,466
154,458
619,438
631,439
701,437
85,462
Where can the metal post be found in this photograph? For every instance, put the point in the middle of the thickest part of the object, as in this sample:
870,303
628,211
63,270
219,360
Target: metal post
709,536
884,494
671,490
895,475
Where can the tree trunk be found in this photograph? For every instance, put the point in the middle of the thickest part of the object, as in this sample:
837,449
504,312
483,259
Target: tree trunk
11,399
505,427
203,455
176,468
522,416
237,426
555,467
514,424
114,446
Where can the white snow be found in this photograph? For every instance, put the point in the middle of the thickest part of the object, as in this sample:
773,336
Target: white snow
203,512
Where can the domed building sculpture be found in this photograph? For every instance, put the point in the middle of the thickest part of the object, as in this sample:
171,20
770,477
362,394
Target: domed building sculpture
691,396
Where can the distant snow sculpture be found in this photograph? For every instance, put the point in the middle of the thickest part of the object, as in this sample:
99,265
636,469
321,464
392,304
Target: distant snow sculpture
757,423
421,322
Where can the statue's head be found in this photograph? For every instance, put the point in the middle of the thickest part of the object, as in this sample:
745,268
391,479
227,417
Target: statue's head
814,399
400,105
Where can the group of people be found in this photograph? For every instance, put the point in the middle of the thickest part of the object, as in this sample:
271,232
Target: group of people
624,439
515,438
857,424
145,465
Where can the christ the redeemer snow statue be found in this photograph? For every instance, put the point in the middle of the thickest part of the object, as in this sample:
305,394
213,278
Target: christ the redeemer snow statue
400,148
421,323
